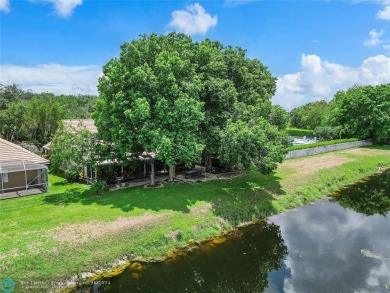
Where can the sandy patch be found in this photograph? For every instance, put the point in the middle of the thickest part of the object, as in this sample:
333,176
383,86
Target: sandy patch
201,209
310,165
81,233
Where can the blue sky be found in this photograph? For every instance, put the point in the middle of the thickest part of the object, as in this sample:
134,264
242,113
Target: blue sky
314,47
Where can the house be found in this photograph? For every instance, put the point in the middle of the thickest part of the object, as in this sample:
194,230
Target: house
112,170
88,124
71,125
21,169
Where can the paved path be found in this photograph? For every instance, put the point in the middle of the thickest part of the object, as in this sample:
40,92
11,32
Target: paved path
20,193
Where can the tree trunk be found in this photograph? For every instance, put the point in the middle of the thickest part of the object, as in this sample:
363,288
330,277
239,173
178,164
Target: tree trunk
207,162
172,172
152,173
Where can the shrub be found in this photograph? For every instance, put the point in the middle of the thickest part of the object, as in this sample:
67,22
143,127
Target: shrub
98,186
328,132
72,175
318,144
299,132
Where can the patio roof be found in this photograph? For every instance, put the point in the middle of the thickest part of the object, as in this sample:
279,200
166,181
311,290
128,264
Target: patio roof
19,165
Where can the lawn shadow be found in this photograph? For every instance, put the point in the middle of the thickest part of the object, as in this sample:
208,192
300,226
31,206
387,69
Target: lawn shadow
236,200
67,197
61,183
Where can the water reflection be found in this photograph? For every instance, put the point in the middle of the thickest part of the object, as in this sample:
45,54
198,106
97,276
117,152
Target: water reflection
325,244
239,263
322,247
370,196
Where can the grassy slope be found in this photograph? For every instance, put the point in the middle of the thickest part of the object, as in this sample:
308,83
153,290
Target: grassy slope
29,252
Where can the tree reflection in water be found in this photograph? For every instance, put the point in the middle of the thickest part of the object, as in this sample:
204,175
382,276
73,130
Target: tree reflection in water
369,197
240,263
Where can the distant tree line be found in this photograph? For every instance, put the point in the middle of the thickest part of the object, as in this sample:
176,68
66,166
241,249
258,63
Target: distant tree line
361,111
28,116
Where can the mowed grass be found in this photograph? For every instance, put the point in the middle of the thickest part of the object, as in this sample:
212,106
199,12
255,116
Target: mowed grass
48,238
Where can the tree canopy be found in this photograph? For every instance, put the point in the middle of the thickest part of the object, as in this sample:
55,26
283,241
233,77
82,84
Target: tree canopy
310,115
363,112
73,148
178,98
35,117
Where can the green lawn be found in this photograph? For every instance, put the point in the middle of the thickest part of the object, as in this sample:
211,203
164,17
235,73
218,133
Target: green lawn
54,236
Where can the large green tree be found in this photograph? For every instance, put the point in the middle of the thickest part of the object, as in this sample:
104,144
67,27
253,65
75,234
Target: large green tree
231,82
363,112
175,97
149,100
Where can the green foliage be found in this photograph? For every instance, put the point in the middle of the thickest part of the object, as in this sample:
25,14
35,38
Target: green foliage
279,117
328,132
32,120
72,174
149,99
254,142
12,121
300,132
232,86
72,149
36,117
75,107
363,111
178,98
310,115
319,144
98,187
12,94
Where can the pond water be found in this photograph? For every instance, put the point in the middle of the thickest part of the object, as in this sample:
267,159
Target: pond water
337,245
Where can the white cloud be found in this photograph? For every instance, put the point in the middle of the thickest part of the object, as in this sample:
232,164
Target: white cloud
193,20
54,78
63,8
374,38
385,13
4,6
319,79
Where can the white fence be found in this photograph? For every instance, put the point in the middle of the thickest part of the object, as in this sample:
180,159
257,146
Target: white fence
326,149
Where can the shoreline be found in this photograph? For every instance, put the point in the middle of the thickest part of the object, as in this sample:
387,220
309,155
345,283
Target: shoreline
69,231
124,263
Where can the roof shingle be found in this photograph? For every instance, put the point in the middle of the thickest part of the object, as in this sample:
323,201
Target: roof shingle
10,152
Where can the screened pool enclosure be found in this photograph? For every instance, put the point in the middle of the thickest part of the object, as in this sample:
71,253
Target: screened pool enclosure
18,175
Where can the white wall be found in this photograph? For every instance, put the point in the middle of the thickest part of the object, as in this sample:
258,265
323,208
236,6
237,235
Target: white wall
326,149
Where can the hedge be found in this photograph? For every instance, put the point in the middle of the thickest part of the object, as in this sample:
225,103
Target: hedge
322,143
300,132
